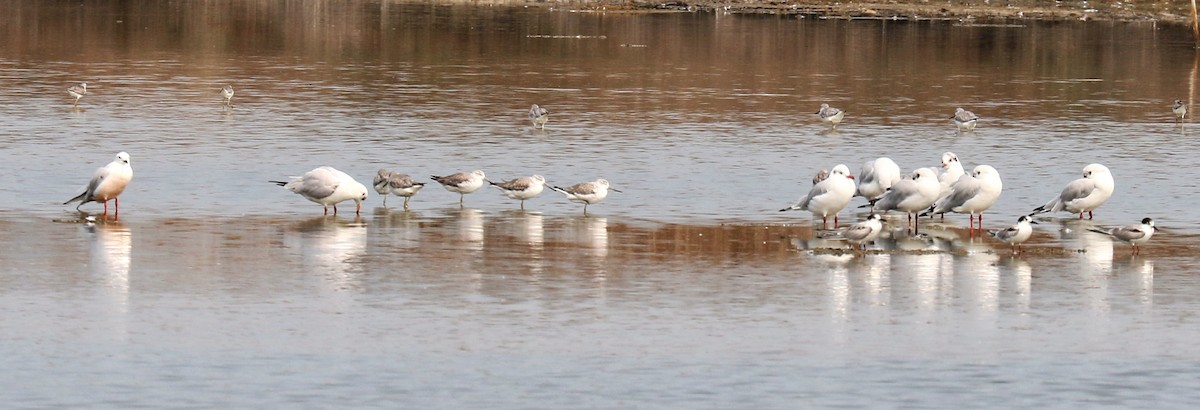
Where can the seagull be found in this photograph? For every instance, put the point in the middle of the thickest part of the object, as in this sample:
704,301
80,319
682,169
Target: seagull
965,120
876,177
828,197
538,116
107,183
77,91
1016,234
587,192
972,194
952,170
1180,109
327,186
863,232
830,115
910,195
1083,194
227,94
1132,234
463,182
388,182
521,188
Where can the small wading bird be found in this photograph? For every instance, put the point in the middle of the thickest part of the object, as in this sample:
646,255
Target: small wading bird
388,182
1133,234
1083,194
1180,109
107,183
538,116
965,120
830,115
828,196
521,188
327,186
1016,234
227,94
77,91
587,192
463,182
863,232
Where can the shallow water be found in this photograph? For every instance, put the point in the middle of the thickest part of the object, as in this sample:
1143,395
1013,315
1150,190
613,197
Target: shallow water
688,289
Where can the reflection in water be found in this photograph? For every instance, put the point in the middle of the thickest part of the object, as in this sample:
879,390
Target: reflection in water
1021,274
400,229
332,247
111,248
1139,273
592,232
1095,259
470,227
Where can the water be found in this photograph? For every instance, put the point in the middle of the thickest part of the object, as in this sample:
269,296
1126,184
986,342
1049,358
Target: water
689,289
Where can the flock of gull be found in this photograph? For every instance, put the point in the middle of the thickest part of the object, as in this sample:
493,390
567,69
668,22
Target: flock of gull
929,192
923,192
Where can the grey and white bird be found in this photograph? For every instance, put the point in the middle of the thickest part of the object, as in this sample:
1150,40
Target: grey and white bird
107,183
77,91
587,192
1133,234
1083,194
911,195
820,176
1017,234
828,197
388,182
965,120
522,188
863,232
463,182
972,194
830,115
327,186
876,177
952,170
538,116
1180,109
227,94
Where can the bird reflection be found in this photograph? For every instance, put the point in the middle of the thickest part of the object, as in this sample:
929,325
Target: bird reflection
592,232
1096,254
111,247
470,226
331,246
401,228
1020,273
1139,273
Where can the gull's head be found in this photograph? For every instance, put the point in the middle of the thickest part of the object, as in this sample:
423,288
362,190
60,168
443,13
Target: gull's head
985,170
123,157
874,217
923,173
843,170
1025,219
1149,222
1094,170
948,157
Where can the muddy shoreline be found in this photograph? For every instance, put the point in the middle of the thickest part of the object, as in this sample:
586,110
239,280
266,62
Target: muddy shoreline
980,12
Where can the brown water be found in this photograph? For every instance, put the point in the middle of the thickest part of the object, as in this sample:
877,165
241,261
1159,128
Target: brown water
688,289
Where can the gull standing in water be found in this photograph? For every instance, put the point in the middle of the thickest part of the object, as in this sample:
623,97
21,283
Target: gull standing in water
1016,234
1083,194
1180,109
587,192
828,197
1132,234
911,195
830,115
538,116
876,177
77,91
965,120
107,183
972,194
327,186
463,182
521,188
227,94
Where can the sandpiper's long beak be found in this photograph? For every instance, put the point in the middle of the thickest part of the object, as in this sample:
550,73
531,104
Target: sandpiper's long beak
614,189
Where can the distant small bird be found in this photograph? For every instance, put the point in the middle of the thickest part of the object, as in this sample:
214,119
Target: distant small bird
107,183
863,232
463,182
1180,109
965,120
521,188
587,192
327,186
830,115
77,91
227,94
538,116
1016,234
1132,234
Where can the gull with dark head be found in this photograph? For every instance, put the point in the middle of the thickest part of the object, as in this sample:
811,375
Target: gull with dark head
538,116
827,197
586,192
830,115
1133,234
107,183
1016,234
327,186
521,188
965,120
463,182
77,91
1083,194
